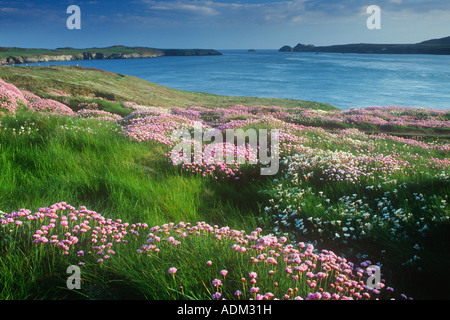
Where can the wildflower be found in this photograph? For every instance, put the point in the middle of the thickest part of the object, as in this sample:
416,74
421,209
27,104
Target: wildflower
217,296
217,283
254,289
173,270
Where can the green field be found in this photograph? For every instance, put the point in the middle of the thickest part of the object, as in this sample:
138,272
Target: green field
358,195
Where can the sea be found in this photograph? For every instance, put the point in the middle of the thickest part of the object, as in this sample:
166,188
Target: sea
342,80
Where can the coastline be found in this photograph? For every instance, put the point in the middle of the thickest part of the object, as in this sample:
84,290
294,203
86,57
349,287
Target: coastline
23,56
433,47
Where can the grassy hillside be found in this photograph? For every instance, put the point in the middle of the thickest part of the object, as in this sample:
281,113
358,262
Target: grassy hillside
14,55
14,51
90,83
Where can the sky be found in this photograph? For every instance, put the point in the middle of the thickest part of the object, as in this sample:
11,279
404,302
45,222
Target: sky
221,24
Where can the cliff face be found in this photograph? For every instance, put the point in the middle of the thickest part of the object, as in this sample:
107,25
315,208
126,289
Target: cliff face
93,55
69,57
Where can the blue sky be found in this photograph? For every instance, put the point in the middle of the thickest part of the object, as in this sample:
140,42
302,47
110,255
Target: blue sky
222,24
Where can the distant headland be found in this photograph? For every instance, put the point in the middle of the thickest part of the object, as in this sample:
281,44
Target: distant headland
14,55
436,46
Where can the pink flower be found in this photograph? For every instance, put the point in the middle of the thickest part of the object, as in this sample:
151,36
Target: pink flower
217,283
224,273
254,289
209,263
326,295
173,270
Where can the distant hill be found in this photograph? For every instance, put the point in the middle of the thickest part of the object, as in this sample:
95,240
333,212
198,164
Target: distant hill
434,46
14,55
441,41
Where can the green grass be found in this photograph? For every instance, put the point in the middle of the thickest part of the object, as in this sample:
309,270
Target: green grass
87,162
91,164
49,159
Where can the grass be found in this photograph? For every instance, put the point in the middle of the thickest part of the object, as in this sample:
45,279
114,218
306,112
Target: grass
47,159
88,163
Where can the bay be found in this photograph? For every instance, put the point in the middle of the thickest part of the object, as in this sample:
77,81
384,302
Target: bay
343,80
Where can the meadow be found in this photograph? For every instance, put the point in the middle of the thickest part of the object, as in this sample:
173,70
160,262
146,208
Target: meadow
87,180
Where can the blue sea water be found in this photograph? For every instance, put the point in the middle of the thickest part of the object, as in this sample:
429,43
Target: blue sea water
343,80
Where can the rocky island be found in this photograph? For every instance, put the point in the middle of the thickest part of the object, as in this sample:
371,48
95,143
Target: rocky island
14,55
436,46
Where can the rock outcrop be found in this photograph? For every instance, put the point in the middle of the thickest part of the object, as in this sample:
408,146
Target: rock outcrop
286,49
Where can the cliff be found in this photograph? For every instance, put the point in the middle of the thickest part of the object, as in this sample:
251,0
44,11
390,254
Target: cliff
12,55
435,46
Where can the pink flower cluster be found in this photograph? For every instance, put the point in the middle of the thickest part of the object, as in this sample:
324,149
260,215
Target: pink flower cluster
217,160
51,106
66,228
29,96
277,265
379,116
156,128
10,97
218,117
97,114
139,114
292,270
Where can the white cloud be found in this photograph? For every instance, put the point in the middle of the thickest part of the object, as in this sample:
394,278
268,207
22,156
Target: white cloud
230,12
194,8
